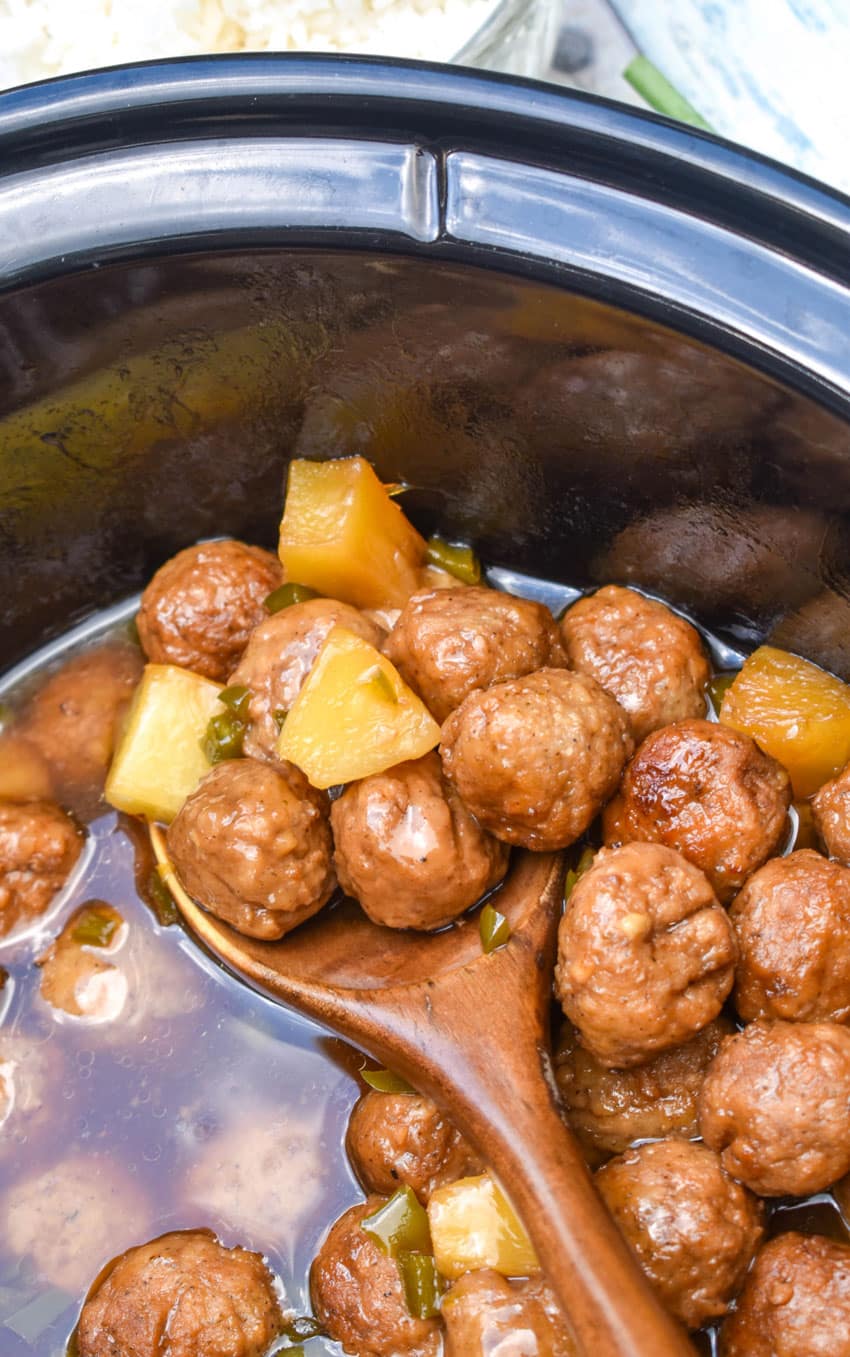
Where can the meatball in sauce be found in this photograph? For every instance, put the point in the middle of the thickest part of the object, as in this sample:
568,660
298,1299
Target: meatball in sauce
652,661
253,844
409,851
74,718
535,759
609,1110
448,643
486,1315
708,792
358,1296
403,1138
201,606
796,1301
646,955
694,1229
182,1295
39,847
775,1105
792,921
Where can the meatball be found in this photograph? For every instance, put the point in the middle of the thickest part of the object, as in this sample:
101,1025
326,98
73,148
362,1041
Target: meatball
201,606
69,1219
792,920
535,759
485,1314
775,1105
31,1069
396,1138
265,1171
280,655
253,844
796,1301
608,1110
24,771
646,955
39,846
831,809
358,1296
641,653
695,1231
709,792
74,718
182,1295
409,850
448,643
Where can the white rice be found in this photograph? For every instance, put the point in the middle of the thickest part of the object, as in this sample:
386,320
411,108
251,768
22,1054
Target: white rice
40,38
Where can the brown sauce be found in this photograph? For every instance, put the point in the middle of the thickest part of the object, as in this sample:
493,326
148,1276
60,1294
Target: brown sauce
197,1101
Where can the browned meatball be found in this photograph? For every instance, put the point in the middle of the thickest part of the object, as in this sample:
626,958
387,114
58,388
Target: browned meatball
775,1105
796,1302
831,809
73,719
182,1295
253,845
792,920
396,1138
409,850
201,606
646,955
709,792
535,759
485,1314
358,1296
280,655
645,656
69,1217
695,1231
448,643
609,1110
39,845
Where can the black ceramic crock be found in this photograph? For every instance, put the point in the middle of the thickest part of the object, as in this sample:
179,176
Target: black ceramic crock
597,344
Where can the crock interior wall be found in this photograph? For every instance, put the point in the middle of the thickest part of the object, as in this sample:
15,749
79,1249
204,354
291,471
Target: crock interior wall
143,406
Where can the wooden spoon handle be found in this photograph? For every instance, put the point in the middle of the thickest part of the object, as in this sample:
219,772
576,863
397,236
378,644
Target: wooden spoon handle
611,1309
482,1061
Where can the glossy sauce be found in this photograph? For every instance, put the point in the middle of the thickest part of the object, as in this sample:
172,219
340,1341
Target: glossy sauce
201,1102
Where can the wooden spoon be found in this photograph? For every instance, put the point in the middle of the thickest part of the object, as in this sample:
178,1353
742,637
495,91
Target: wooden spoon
470,1030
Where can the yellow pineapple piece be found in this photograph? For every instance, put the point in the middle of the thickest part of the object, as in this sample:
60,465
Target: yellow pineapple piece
354,716
160,758
473,1225
795,711
344,536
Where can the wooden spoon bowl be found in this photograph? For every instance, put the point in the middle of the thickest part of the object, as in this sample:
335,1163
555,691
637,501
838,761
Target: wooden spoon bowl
470,1030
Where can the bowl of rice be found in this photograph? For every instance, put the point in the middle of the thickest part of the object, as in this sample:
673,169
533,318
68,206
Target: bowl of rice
46,38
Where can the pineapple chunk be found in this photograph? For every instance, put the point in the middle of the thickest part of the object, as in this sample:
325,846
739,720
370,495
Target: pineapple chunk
354,716
473,1225
343,535
160,758
795,711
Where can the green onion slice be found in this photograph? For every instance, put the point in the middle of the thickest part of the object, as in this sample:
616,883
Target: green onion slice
286,595
96,927
718,686
224,736
459,561
161,900
400,1225
657,91
422,1284
237,698
302,1328
494,929
384,1081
